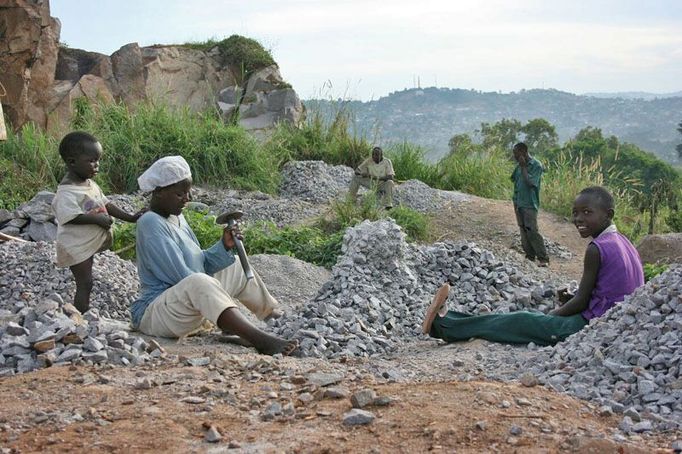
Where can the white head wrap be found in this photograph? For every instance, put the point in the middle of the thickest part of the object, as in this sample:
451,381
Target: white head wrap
164,172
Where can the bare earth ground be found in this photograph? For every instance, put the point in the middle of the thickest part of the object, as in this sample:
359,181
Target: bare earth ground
166,407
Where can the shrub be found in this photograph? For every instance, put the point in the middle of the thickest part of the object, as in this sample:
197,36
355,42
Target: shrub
309,244
652,270
485,173
409,163
320,138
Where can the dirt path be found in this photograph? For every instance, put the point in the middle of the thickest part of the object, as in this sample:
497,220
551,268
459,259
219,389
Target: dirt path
78,409
492,224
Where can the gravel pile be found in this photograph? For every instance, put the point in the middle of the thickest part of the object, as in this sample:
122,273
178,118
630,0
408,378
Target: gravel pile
421,197
292,281
380,287
50,332
29,276
314,181
628,360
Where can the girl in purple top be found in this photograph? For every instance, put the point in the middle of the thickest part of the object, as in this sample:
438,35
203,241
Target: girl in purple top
612,270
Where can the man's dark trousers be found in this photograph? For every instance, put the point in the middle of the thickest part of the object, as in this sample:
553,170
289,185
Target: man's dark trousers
532,242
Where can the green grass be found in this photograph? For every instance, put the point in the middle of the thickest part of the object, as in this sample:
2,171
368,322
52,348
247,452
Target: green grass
218,154
484,173
320,138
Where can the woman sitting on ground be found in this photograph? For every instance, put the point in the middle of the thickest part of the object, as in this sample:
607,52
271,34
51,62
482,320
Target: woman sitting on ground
181,284
612,270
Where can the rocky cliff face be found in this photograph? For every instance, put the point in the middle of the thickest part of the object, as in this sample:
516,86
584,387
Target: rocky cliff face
43,79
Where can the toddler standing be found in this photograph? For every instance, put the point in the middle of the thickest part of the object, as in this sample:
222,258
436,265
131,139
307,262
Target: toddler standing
84,214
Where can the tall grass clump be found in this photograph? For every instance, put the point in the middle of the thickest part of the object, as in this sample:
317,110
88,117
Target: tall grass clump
409,163
485,173
29,162
319,138
218,154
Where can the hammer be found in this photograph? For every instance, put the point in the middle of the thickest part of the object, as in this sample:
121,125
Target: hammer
230,218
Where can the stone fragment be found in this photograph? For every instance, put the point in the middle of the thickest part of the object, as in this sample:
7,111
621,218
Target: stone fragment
363,398
212,435
357,417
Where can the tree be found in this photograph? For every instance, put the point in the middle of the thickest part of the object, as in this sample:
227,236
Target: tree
540,135
460,144
679,147
503,134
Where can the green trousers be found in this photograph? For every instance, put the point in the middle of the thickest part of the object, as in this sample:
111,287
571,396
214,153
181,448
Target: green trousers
532,242
511,328
383,188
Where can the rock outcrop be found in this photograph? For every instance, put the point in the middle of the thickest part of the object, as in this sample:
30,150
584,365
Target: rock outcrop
28,56
43,78
662,248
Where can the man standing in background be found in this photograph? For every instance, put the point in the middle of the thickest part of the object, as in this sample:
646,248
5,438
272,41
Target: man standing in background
526,177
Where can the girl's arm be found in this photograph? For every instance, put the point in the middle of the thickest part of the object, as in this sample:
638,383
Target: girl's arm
579,302
101,219
123,215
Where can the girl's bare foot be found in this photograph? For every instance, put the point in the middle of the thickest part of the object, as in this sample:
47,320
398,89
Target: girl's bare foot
437,307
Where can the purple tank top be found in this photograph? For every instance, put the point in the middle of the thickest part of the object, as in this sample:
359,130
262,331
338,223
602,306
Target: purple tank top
620,273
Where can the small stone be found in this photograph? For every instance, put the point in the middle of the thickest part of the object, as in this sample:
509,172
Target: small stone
273,410
44,346
515,430
335,393
382,401
357,417
633,414
522,402
212,435
363,398
198,362
528,379
14,329
194,400
481,425
322,379
144,383
642,426
305,398
677,446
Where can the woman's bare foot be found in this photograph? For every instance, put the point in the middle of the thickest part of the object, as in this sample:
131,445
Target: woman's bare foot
437,307
285,347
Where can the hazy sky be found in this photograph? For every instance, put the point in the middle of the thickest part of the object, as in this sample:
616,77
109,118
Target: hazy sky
367,48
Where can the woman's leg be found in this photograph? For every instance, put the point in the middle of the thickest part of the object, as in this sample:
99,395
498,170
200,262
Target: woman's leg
251,293
82,273
182,308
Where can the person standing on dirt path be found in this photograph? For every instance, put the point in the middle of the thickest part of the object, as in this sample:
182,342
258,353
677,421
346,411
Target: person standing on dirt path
375,171
527,176
612,270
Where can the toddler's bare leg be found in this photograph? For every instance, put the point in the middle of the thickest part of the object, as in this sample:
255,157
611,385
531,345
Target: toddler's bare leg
82,273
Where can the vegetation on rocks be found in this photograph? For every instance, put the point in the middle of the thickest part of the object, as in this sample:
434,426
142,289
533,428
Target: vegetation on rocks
246,54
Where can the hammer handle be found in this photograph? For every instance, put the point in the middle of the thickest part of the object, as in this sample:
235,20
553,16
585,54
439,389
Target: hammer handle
242,254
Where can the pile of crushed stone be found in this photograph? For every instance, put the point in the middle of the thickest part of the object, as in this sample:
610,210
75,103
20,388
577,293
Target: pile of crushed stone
39,329
628,360
381,285
30,275
314,181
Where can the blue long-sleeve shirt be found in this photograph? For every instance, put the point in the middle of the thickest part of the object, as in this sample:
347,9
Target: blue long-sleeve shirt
167,252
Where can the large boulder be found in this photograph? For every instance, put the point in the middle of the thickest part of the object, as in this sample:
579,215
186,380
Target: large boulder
42,79
662,248
28,58
184,77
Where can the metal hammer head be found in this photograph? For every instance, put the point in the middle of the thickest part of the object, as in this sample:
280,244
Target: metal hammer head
228,216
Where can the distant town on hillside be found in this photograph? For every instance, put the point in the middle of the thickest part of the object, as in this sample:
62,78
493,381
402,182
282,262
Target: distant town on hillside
431,116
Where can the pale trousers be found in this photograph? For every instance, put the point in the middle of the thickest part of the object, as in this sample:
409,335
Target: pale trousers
384,187
182,308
